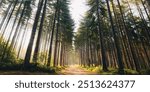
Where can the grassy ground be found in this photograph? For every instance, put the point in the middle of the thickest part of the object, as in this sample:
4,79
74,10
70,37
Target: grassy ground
36,69
113,71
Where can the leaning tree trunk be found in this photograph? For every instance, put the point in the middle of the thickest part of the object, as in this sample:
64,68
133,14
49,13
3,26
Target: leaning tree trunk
9,17
145,9
5,15
135,59
36,50
116,41
29,49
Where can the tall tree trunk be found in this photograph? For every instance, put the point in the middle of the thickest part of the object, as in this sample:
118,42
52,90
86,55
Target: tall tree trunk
5,15
101,39
24,33
129,39
29,48
61,54
57,34
116,41
9,17
36,50
52,36
18,25
145,10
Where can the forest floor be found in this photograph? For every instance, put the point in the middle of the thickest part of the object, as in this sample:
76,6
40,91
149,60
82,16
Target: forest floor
71,70
22,73
76,70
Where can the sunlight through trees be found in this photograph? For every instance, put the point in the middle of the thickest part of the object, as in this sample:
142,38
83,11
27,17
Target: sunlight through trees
113,34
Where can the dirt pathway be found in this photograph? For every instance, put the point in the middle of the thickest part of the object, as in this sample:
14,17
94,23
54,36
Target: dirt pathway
75,70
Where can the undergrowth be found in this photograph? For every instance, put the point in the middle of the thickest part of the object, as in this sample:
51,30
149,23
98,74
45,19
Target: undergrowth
113,71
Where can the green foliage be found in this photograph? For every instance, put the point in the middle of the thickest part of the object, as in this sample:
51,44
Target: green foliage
10,63
113,71
145,72
7,53
10,66
31,68
38,68
59,68
93,69
131,72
